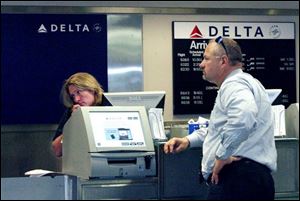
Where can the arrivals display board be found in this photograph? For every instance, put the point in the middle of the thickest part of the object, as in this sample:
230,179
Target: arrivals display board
39,52
269,54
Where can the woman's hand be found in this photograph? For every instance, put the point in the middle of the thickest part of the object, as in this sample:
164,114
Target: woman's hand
57,146
75,107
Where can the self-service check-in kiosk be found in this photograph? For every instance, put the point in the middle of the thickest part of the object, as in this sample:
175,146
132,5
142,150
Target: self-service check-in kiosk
108,142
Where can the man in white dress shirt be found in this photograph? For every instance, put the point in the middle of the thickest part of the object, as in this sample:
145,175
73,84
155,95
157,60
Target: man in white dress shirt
239,151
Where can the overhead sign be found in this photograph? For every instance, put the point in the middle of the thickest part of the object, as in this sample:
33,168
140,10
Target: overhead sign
268,54
234,30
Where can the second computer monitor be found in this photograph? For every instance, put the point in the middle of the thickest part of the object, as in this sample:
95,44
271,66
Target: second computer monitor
149,99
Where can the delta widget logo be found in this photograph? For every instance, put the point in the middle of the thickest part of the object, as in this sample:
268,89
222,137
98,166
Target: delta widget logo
42,29
69,28
196,33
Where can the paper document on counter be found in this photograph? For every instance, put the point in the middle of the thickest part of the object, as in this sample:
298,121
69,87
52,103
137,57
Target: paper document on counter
41,173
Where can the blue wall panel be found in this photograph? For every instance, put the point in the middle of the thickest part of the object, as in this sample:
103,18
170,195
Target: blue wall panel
40,51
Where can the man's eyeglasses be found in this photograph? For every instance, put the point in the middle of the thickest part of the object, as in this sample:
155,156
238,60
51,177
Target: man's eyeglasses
219,40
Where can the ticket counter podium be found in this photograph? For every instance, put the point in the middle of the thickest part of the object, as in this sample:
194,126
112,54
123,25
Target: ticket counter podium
111,151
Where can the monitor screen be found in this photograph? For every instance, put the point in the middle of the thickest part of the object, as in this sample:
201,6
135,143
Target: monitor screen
117,129
149,99
109,129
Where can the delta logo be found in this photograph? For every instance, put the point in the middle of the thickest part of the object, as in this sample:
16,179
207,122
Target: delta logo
63,28
196,33
233,31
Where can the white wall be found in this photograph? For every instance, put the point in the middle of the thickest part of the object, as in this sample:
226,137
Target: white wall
157,51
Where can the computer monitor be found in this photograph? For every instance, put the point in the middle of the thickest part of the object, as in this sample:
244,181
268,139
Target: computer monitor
273,94
120,130
149,99
108,142
112,128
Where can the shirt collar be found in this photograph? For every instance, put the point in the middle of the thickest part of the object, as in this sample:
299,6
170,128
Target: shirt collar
233,73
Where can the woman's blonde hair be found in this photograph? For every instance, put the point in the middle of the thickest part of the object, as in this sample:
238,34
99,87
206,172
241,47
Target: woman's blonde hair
83,81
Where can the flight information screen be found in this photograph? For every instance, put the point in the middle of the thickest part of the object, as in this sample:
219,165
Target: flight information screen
269,54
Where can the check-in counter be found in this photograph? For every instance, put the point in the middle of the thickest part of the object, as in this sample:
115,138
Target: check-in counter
286,177
59,187
178,173
128,189
177,178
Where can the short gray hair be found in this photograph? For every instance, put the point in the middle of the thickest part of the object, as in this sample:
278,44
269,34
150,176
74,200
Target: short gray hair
232,49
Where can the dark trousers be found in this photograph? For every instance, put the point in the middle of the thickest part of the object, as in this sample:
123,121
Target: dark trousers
243,180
